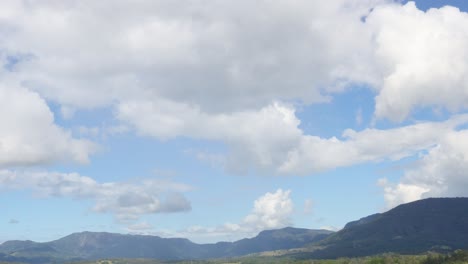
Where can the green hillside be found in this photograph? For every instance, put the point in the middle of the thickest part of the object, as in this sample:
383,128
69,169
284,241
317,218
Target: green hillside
101,245
436,224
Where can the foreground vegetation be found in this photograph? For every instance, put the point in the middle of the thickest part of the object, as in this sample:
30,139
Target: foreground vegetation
457,257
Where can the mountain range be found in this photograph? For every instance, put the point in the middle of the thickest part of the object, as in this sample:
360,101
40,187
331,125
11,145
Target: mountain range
435,224
99,245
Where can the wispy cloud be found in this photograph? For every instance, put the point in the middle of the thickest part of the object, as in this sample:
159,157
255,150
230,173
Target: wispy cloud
127,201
13,221
308,206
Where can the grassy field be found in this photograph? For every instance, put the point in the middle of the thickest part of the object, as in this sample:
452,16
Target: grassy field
457,257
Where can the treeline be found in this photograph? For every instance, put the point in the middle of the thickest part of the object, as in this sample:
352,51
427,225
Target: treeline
456,257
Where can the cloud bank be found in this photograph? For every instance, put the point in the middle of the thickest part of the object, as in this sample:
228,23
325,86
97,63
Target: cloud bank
236,72
126,201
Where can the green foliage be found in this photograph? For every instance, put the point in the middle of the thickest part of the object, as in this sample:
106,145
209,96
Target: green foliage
456,257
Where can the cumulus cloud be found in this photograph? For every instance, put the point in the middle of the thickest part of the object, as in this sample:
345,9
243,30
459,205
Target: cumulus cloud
257,139
242,54
424,59
439,173
125,200
270,139
315,154
232,72
272,210
213,71
28,134
181,69
396,194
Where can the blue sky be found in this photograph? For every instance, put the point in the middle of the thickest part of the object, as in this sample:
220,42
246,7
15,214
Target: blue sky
215,122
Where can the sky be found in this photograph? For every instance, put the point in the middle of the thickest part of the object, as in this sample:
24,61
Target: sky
215,120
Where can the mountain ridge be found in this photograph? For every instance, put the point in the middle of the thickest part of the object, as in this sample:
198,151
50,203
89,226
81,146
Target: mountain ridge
95,245
432,224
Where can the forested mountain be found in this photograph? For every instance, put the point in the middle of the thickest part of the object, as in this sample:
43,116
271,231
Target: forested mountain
96,245
434,224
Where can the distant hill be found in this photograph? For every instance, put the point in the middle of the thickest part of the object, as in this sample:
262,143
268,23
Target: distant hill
434,224
98,245
286,238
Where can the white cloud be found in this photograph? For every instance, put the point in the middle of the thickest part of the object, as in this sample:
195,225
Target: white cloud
315,154
211,71
28,134
139,227
222,71
242,54
424,59
440,173
269,140
308,206
258,139
272,210
125,200
396,194
331,228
